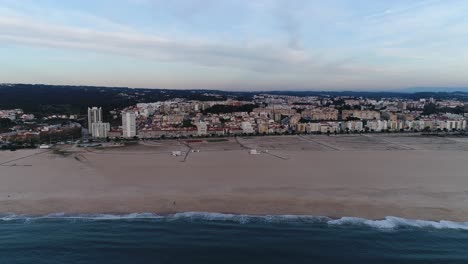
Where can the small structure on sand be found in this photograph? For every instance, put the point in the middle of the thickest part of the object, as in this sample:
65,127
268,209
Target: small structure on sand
254,152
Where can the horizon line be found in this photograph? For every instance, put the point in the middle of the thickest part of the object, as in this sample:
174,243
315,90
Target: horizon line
406,90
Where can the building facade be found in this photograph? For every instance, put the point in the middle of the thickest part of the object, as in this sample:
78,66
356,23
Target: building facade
100,129
94,116
129,125
202,129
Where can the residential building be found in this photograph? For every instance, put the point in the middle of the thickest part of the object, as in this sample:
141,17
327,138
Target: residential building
129,124
94,116
247,128
100,129
360,114
202,128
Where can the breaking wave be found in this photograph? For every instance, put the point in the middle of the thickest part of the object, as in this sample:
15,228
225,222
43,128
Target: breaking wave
391,222
388,223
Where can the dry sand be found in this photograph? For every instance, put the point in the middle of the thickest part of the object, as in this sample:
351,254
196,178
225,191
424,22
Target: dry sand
364,176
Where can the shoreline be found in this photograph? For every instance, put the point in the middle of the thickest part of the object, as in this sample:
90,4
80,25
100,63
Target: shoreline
385,224
352,176
320,209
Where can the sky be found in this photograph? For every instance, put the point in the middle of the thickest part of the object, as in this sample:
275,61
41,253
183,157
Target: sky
236,44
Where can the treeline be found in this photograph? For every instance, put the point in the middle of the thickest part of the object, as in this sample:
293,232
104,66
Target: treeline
46,99
42,99
5,125
223,109
432,108
377,95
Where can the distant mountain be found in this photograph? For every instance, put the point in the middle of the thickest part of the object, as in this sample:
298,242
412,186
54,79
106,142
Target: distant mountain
433,89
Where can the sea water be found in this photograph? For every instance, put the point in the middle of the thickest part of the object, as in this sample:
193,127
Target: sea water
225,238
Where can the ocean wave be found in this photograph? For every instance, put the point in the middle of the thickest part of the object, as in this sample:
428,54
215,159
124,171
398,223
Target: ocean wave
388,223
391,222
240,218
64,216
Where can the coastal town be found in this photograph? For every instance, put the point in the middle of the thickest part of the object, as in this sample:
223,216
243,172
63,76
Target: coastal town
265,114
277,154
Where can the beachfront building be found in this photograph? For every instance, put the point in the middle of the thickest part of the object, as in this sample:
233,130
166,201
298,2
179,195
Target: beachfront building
129,124
100,129
94,116
313,127
301,128
247,128
202,128
329,127
452,125
376,125
351,126
263,127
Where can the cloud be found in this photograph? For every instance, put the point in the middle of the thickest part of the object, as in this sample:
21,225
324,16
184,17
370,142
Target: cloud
290,23
259,57
131,44
305,43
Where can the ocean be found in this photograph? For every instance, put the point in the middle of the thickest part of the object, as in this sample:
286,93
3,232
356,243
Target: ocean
224,238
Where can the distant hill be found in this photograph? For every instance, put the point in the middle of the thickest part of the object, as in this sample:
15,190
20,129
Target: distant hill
42,99
433,89
45,99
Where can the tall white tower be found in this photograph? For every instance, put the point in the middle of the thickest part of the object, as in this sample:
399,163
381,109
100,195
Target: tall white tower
94,116
129,124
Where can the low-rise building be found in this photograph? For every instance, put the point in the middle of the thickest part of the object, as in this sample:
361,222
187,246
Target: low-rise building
100,129
202,129
247,128
360,114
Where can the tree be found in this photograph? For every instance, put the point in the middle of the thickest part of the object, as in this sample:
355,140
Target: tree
219,109
6,124
187,123
430,109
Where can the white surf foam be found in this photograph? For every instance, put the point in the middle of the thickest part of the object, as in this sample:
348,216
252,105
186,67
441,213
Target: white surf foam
391,222
13,217
388,223
248,218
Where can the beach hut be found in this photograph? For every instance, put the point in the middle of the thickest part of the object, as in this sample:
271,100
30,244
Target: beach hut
254,152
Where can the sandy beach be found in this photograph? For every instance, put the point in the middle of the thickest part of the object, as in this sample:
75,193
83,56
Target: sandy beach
370,176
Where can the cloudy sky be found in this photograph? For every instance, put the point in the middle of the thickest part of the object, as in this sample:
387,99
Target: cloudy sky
236,44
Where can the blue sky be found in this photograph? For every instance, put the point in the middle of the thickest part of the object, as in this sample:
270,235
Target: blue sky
236,44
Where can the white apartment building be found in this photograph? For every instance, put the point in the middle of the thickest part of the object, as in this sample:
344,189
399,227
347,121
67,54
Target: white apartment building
454,125
129,124
352,126
247,128
377,125
313,127
100,129
94,116
202,128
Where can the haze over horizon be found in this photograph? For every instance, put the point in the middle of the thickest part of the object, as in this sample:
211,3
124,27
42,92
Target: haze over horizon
236,45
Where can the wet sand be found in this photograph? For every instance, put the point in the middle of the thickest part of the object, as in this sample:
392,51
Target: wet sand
363,176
